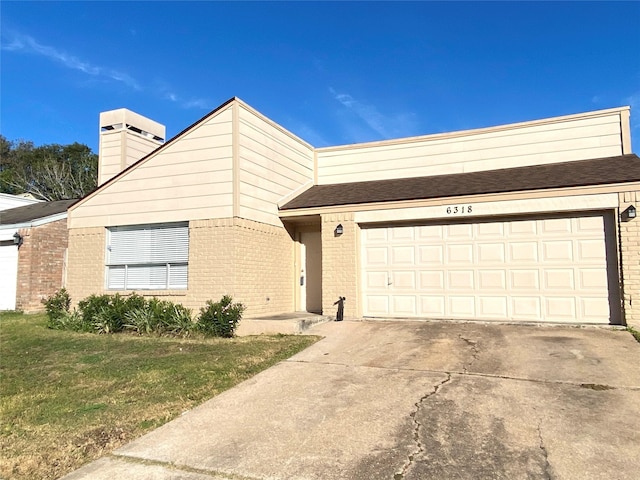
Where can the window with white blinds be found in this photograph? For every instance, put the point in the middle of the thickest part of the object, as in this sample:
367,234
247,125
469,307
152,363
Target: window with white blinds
144,257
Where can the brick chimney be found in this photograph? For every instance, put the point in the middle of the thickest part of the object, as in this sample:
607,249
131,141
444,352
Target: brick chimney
125,137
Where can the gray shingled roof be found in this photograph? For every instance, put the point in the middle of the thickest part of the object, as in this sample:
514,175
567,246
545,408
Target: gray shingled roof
34,211
600,171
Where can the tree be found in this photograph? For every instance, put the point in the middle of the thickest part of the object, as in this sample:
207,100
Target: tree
48,172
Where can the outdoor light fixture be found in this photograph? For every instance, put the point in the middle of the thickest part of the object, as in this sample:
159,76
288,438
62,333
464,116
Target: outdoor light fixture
17,239
339,230
629,213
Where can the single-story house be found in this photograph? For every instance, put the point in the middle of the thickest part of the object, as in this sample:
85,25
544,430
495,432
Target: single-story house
8,200
33,246
527,222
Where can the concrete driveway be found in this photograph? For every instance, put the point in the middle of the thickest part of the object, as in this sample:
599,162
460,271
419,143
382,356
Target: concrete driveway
413,400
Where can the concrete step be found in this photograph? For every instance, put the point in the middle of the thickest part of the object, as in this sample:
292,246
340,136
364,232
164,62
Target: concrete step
295,323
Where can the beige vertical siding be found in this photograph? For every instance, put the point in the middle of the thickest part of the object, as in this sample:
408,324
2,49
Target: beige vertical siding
191,178
576,137
272,164
630,260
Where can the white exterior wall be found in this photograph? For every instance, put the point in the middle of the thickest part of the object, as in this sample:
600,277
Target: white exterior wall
190,179
576,137
271,164
8,201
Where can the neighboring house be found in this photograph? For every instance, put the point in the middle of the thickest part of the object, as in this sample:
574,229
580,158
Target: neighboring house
33,244
529,222
8,201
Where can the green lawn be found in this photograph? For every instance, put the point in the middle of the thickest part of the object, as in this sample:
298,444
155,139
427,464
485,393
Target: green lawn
66,398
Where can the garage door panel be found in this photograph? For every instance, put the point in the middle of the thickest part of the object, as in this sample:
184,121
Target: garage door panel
460,280
559,278
590,250
492,280
526,308
376,256
557,251
462,231
492,307
401,233
431,254
433,305
560,308
557,226
592,278
533,269
430,232
591,224
491,253
378,305
490,230
404,305
376,280
526,252
431,280
462,306
594,308
373,235
525,279
402,255
522,229
403,280
459,253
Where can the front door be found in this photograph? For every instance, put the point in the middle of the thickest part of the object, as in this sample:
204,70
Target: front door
310,272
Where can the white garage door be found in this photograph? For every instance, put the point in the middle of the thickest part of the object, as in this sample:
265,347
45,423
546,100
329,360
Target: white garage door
540,269
8,275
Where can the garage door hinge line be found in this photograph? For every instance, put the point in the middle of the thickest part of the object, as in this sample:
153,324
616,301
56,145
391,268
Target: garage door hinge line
416,430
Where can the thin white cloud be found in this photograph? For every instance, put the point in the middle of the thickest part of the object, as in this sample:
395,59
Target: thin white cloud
27,44
387,126
199,103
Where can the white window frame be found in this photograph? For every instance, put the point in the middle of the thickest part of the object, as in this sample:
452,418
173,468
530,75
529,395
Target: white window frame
147,257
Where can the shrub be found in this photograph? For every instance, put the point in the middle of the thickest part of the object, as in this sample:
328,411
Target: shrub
220,319
57,306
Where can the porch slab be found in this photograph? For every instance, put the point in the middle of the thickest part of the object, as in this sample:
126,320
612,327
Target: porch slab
294,323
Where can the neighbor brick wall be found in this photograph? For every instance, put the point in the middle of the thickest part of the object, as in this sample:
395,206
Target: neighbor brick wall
41,264
630,260
340,260
248,260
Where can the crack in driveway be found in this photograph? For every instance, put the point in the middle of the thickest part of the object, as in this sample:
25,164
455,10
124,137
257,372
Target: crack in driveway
547,465
416,430
475,349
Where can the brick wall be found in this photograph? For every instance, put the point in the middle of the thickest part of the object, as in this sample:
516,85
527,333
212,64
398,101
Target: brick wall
630,260
340,260
248,260
85,262
41,264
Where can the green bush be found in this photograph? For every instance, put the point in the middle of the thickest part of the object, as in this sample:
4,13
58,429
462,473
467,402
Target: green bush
114,313
220,319
57,305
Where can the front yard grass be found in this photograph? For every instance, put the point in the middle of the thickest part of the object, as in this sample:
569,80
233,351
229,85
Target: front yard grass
67,398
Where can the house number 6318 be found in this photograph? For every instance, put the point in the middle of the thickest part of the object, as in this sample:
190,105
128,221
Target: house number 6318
462,209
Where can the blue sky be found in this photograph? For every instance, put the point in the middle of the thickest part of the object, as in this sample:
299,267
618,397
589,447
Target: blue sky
332,72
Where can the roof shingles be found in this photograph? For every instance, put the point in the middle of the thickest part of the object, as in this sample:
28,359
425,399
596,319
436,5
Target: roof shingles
35,211
600,171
